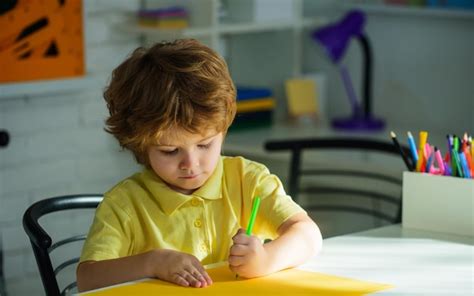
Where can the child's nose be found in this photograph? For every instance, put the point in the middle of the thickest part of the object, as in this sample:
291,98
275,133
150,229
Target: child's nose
189,161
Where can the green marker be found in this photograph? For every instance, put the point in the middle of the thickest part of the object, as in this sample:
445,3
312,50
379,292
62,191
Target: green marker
253,215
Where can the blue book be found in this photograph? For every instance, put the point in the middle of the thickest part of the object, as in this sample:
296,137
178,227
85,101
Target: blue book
247,93
251,120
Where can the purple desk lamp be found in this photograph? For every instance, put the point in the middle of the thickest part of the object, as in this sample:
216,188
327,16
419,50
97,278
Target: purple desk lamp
335,39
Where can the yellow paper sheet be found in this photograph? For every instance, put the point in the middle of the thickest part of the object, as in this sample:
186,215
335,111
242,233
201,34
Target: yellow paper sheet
286,282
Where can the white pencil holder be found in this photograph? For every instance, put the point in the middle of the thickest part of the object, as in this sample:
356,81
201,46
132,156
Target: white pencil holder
438,203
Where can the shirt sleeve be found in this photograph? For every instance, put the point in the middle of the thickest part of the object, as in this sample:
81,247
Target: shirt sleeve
275,207
109,236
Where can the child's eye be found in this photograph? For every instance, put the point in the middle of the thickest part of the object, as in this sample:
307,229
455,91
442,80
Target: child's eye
204,146
169,152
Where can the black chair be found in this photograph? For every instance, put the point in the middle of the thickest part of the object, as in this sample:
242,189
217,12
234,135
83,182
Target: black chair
43,244
3,289
342,181
4,139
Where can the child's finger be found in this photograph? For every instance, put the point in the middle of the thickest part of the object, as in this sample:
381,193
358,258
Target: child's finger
241,238
207,278
179,280
235,269
199,276
236,261
238,250
191,278
204,274
240,231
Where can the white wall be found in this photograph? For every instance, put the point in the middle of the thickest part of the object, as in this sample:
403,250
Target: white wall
424,71
422,76
58,145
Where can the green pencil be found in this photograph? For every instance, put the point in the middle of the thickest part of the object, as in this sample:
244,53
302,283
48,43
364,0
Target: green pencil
253,215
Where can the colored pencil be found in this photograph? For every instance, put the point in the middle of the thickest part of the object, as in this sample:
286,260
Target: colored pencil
400,150
423,136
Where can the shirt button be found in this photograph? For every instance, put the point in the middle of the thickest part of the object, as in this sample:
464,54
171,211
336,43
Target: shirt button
204,248
197,223
194,202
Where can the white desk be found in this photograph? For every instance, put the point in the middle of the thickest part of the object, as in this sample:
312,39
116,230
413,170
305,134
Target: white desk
414,262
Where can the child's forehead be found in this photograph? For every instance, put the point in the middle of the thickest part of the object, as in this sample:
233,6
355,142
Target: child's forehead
178,137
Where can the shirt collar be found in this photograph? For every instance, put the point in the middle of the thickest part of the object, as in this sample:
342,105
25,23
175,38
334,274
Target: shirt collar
171,200
212,188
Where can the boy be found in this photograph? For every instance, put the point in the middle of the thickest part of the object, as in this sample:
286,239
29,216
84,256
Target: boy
171,105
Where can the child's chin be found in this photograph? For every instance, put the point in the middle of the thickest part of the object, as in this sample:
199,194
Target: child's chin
195,182
191,186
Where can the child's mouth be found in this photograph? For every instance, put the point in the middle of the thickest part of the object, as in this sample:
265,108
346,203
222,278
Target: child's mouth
189,177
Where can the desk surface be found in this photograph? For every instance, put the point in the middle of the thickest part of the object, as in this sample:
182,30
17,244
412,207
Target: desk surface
414,262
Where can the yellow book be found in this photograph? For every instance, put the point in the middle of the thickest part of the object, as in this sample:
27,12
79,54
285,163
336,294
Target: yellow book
301,96
261,104
164,24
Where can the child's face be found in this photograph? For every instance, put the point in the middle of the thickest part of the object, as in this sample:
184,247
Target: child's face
184,160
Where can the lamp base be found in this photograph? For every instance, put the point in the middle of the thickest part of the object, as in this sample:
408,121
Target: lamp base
358,124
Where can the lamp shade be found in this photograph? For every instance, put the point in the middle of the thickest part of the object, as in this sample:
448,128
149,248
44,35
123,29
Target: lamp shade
335,38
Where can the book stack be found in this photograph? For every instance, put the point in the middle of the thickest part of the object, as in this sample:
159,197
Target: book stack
173,17
255,108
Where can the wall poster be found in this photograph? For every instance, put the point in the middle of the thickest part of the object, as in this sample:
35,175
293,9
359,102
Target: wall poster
41,39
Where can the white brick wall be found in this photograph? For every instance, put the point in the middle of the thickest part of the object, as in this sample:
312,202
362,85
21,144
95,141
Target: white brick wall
58,145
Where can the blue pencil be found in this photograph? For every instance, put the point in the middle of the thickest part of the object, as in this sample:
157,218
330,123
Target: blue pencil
465,167
412,145
429,162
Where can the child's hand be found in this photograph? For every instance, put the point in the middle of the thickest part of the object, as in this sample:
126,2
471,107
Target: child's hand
180,268
247,257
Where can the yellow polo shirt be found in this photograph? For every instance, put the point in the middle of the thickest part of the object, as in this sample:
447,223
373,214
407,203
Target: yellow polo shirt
142,213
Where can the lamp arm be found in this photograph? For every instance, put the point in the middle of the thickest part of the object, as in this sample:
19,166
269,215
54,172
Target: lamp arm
351,95
367,73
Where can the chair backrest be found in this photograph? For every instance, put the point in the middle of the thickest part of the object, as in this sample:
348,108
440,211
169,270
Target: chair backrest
3,290
42,242
299,169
